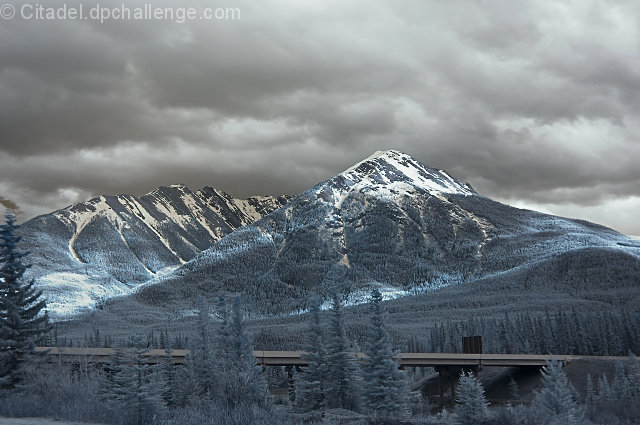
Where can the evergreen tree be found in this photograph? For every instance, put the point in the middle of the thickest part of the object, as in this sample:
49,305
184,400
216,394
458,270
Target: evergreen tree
168,377
605,389
634,376
184,383
472,406
590,395
311,382
343,371
513,389
557,401
621,388
385,387
241,381
203,356
135,389
21,323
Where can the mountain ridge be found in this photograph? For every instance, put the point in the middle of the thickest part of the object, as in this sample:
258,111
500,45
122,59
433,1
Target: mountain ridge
108,244
388,221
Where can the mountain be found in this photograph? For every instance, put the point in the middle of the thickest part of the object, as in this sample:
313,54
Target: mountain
391,222
93,250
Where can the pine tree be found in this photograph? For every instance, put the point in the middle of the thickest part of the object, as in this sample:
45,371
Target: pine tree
558,399
605,389
385,387
135,389
168,377
590,395
241,381
621,387
311,381
203,357
343,372
184,383
513,389
634,375
472,406
21,323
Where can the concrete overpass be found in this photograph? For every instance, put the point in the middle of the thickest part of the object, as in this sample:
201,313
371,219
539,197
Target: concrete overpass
294,358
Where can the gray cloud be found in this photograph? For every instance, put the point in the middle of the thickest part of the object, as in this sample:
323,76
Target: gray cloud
534,103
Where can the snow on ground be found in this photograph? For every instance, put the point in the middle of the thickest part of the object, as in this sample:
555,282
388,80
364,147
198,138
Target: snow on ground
70,293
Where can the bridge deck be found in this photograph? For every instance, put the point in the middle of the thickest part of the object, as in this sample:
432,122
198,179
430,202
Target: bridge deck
294,358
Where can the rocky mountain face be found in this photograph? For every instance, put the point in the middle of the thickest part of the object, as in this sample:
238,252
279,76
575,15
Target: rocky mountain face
394,223
94,250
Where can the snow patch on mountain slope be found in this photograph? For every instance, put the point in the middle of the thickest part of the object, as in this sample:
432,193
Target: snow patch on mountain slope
74,293
79,218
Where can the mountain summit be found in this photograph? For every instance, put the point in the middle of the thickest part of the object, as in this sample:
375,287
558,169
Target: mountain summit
391,173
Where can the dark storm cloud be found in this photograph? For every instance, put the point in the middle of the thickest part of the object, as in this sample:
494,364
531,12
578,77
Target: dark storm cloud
533,102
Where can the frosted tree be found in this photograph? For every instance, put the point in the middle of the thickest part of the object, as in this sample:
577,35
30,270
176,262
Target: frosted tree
184,383
386,390
21,323
605,393
513,389
241,380
135,388
311,381
203,356
590,394
634,375
472,406
168,376
557,401
343,371
621,387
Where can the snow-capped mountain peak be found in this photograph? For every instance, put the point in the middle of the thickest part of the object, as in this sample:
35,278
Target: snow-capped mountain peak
390,174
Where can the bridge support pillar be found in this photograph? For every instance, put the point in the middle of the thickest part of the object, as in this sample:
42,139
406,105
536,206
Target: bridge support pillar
441,386
452,383
290,383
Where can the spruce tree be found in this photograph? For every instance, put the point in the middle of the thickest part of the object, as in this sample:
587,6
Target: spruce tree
557,401
386,390
241,380
590,394
184,383
168,377
621,387
514,391
634,376
311,382
21,323
605,389
472,406
135,388
203,356
343,371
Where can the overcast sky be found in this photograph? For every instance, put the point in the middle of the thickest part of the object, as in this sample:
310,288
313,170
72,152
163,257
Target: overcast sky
535,103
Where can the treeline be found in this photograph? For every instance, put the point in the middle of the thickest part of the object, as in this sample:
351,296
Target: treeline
581,333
